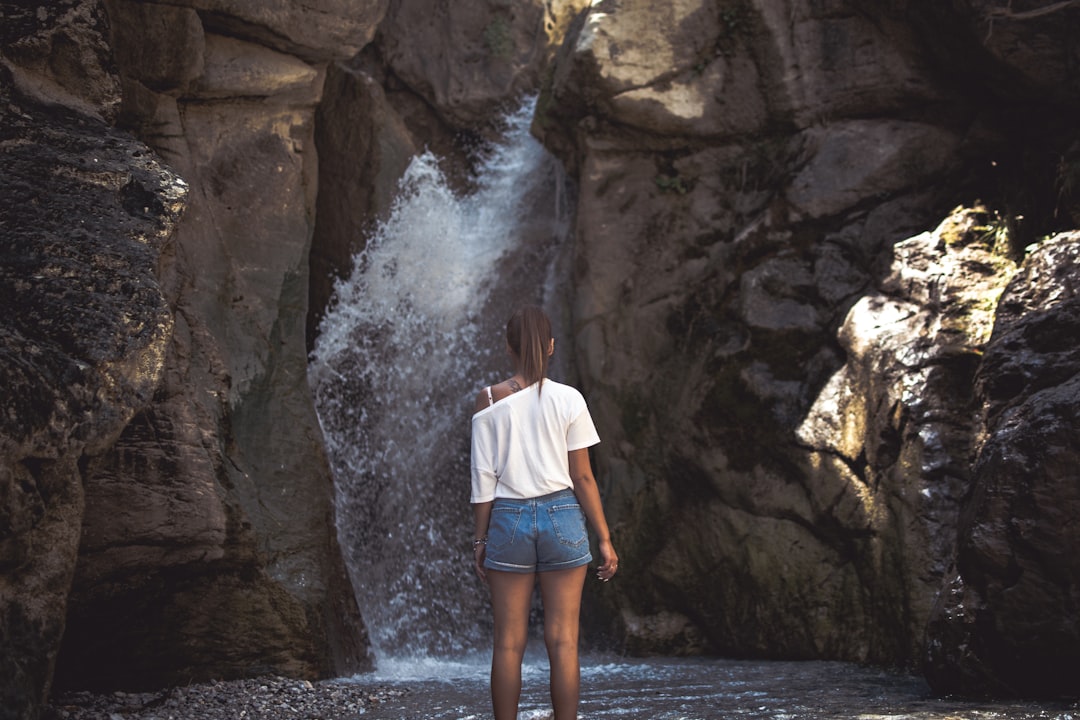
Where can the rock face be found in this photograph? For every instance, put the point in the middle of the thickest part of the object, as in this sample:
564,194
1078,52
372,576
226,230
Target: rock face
84,333
1007,619
209,545
781,360
161,454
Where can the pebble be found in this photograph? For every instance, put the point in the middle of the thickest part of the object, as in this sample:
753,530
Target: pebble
264,698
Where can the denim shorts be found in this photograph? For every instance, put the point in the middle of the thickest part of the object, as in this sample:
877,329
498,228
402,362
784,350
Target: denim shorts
537,534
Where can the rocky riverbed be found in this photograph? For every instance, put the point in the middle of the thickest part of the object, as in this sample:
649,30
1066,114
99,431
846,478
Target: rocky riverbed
265,698
646,689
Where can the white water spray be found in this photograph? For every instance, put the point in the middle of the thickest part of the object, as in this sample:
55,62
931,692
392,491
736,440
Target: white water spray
408,341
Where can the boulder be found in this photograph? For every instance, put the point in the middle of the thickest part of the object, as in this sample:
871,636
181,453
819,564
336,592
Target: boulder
1006,621
710,71
316,32
470,61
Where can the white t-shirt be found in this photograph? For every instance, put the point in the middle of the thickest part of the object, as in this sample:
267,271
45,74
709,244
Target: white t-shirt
520,444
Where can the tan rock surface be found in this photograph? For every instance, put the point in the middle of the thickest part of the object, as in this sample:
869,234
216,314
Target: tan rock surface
216,500
784,482
468,61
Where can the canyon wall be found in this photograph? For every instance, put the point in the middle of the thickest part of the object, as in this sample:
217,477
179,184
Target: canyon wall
790,363
168,504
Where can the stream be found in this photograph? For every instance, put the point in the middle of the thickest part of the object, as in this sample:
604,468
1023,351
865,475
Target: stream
688,689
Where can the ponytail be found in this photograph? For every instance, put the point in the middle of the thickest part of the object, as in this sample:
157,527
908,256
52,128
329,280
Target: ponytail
528,332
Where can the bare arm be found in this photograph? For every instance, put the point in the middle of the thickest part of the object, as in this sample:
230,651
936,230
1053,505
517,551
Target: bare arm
481,511
481,517
589,496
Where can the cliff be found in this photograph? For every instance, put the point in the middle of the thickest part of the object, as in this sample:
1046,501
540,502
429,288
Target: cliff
804,383
168,506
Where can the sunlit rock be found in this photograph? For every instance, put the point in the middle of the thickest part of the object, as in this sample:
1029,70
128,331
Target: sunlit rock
781,353
1007,619
468,60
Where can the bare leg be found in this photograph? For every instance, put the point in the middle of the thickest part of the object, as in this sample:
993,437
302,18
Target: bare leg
511,594
561,592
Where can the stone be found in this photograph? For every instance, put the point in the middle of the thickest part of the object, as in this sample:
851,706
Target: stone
856,161
246,572
316,32
779,354
1023,51
680,68
469,62
163,47
1006,621
716,71
58,54
364,148
208,543
86,211
234,69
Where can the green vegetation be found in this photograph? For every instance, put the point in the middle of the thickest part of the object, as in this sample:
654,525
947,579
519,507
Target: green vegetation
498,37
989,228
672,184
1067,183
544,115
734,22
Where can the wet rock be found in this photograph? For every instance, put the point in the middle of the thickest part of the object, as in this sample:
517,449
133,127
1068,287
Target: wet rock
86,212
894,422
365,149
1007,618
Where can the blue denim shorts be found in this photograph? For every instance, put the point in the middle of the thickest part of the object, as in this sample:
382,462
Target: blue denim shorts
537,534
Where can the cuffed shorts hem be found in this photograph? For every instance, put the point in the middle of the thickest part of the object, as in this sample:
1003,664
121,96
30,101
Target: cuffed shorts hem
545,567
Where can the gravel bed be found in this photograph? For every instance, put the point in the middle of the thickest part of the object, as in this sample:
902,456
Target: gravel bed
265,698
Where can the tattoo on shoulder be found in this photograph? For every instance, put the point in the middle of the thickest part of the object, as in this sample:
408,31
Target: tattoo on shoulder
513,384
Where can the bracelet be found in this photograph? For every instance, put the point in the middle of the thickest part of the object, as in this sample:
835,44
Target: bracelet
478,542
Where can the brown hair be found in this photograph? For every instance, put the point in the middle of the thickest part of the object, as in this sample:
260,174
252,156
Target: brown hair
528,332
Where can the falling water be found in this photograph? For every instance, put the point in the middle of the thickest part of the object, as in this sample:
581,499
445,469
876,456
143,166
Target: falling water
408,341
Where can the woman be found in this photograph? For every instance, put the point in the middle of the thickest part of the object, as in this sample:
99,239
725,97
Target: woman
532,490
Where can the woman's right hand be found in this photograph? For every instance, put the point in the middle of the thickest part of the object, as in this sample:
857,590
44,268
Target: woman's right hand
609,561
479,553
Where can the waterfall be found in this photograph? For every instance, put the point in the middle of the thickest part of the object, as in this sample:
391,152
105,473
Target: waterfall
408,341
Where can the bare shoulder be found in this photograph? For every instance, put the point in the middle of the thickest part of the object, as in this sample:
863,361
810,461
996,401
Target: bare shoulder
481,400
504,389
498,392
